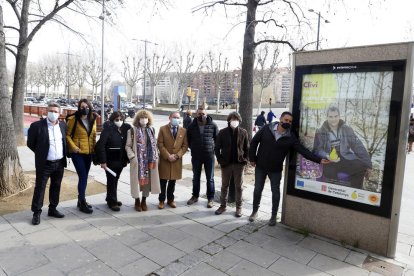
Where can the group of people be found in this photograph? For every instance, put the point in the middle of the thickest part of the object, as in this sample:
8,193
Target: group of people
156,161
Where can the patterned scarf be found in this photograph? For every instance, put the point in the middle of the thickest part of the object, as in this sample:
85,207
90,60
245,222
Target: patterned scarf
147,153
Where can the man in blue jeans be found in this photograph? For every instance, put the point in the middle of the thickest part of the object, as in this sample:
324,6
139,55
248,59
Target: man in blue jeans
201,136
268,150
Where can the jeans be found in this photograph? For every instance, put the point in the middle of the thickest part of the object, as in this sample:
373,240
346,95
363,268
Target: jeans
54,170
260,177
208,163
170,190
82,163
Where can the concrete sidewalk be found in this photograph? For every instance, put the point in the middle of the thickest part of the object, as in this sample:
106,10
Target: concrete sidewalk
188,240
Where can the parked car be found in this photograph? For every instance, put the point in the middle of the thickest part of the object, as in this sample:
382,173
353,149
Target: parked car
29,100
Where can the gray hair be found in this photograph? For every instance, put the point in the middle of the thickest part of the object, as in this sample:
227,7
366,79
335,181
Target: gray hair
333,108
53,104
234,115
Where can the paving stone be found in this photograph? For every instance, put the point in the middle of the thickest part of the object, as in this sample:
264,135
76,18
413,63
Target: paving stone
288,267
253,253
224,260
326,248
212,248
48,238
403,248
201,231
22,222
159,251
97,268
335,267
293,252
253,226
68,257
238,234
226,241
205,217
4,225
409,273
130,236
86,235
356,258
257,238
203,270
166,234
115,254
174,268
11,261
105,222
230,225
10,239
140,267
282,233
46,270
246,268
194,258
190,244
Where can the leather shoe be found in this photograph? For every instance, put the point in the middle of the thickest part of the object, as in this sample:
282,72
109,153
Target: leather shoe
210,204
253,216
36,219
220,210
272,220
119,203
192,200
115,208
238,213
172,204
161,205
87,204
55,213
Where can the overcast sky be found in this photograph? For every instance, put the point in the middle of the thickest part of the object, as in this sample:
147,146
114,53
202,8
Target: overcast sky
352,23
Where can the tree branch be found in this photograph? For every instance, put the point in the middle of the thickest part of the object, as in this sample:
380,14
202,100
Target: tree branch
270,20
275,41
212,4
265,3
11,51
11,27
14,7
9,44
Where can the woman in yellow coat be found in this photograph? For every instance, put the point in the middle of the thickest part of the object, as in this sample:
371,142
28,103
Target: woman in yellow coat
172,143
141,148
81,140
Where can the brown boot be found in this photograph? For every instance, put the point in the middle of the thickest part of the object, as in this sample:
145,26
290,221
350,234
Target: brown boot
144,204
238,212
161,205
138,205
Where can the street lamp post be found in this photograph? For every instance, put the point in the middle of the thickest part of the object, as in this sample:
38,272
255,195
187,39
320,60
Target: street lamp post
319,26
102,17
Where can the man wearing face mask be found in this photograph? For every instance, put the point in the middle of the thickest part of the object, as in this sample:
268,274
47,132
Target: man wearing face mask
232,149
46,138
172,144
268,150
201,135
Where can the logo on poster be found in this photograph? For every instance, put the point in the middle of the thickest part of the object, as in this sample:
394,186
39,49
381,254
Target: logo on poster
324,188
300,183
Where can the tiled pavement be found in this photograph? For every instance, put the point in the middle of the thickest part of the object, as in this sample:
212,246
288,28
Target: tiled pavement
188,240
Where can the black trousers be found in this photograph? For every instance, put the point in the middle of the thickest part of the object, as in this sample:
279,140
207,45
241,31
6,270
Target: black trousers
350,172
112,183
54,170
170,190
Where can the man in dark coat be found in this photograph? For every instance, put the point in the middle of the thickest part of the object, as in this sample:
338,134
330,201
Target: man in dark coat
260,120
268,150
47,139
201,136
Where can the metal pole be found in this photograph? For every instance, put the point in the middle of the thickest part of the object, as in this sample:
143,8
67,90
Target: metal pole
67,75
145,70
319,25
102,64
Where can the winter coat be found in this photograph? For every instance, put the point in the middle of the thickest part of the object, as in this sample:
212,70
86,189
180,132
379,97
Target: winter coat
168,145
187,121
351,148
110,148
131,149
81,139
202,147
269,154
223,146
260,121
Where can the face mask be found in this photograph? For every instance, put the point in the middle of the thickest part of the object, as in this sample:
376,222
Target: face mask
175,121
286,125
52,116
84,111
234,124
143,121
119,123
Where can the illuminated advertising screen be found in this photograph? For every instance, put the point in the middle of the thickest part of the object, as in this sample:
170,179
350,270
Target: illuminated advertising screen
348,114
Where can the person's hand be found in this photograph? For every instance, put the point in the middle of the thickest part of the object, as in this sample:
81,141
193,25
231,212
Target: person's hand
333,160
325,161
171,158
103,166
253,164
77,150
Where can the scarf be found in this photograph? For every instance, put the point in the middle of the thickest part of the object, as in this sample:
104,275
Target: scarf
146,153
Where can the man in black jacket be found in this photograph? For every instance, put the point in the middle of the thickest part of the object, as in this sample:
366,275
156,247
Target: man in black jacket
47,139
268,150
260,121
201,135
232,149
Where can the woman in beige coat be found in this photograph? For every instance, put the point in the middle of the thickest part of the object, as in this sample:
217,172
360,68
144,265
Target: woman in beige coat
141,148
172,143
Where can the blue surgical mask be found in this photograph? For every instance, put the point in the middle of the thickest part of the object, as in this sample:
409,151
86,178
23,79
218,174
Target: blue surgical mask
52,116
175,121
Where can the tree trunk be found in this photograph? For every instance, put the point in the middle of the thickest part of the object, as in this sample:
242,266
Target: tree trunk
11,174
218,90
246,91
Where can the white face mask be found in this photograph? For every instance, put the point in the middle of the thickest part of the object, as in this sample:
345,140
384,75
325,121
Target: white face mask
119,123
175,121
52,116
234,124
143,121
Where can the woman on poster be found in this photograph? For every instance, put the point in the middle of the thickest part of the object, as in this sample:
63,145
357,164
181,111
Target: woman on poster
336,141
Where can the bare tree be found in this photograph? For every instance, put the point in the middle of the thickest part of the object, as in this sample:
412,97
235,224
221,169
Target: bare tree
265,69
217,67
157,68
56,77
80,72
12,177
132,72
45,72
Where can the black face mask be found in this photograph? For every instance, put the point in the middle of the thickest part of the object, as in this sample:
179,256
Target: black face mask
84,111
286,125
202,118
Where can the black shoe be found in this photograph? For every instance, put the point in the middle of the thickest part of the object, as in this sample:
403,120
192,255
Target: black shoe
272,220
119,203
83,207
36,219
115,208
55,213
87,204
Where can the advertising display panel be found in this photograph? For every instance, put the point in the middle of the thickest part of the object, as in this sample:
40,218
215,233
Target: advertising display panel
347,113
